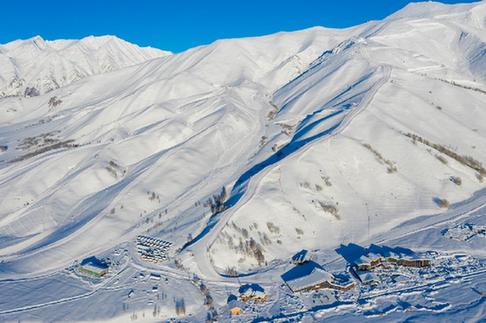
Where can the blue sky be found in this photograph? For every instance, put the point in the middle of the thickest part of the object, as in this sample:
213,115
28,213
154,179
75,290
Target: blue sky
180,24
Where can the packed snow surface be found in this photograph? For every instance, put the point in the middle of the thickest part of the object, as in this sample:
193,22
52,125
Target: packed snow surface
240,154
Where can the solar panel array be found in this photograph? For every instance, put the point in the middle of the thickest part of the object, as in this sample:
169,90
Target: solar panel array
152,249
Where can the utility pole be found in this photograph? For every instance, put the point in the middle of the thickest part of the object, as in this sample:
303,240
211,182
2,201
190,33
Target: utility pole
368,216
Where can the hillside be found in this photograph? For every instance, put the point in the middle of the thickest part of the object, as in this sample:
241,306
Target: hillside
242,152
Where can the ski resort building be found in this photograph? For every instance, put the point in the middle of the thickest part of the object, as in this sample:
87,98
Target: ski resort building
373,260
253,292
369,261
93,267
317,279
414,262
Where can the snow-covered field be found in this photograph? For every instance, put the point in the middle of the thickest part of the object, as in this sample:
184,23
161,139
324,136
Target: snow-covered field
241,153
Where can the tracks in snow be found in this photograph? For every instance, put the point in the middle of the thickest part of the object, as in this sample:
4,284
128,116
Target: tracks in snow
245,187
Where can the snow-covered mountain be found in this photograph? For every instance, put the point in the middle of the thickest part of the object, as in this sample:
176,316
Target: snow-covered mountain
244,151
36,66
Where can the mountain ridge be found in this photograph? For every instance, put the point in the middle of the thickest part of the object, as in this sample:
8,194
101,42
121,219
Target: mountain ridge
35,66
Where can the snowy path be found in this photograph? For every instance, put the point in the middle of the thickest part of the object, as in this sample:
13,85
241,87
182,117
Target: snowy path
103,286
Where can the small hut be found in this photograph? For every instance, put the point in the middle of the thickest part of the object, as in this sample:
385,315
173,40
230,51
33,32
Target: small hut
235,310
235,307
300,258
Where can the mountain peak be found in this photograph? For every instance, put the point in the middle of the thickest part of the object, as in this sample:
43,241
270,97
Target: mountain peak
430,9
100,40
37,38
39,42
65,61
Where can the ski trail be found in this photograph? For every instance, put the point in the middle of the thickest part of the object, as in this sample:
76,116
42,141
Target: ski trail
245,187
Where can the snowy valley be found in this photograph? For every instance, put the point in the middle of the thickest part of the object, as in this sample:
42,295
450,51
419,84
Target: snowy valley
137,184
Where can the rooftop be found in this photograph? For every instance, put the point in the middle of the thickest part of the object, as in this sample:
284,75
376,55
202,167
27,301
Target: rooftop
94,263
367,276
317,276
358,255
251,289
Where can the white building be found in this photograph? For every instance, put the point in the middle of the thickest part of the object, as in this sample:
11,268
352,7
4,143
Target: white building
318,278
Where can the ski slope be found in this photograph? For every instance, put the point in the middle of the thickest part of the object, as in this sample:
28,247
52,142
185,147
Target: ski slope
317,138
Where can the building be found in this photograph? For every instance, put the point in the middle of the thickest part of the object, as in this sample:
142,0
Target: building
368,278
318,278
94,270
235,311
93,267
369,261
259,296
235,307
253,292
300,258
414,262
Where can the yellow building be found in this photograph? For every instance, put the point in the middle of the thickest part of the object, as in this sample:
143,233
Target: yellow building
235,307
235,311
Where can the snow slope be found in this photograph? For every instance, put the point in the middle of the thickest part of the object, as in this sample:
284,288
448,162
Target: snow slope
319,137
342,181
36,66
156,131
